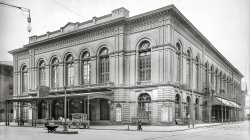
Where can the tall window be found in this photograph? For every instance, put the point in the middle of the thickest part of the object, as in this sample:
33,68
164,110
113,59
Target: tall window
178,55
197,76
220,83
177,106
144,106
216,80
196,109
206,73
42,73
189,67
145,61
25,79
55,72
69,70
187,106
104,65
85,68
211,79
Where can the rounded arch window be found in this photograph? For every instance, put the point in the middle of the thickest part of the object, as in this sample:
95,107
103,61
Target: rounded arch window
178,46
189,63
69,70
104,65
24,79
144,106
188,53
144,61
187,107
211,77
178,63
197,71
54,72
42,73
85,67
55,61
24,68
104,51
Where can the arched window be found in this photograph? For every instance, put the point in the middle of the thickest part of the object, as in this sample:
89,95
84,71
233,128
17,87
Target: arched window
144,106
69,70
197,71
177,106
187,106
189,63
216,80
220,83
211,79
85,68
206,74
41,70
144,61
104,65
24,79
54,72
196,109
178,65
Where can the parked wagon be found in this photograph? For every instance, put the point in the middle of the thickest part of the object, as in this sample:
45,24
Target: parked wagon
79,120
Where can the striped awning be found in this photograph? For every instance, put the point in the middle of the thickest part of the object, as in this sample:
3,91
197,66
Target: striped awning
219,101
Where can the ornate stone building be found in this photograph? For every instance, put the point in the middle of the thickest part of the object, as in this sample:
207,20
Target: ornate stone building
155,66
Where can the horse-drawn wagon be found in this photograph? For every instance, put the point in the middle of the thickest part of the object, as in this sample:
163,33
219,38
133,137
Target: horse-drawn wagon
79,120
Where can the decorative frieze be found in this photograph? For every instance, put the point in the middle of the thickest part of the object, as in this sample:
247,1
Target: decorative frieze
75,41
23,55
149,24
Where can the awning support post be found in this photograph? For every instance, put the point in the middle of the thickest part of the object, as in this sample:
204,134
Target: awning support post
221,112
6,108
88,109
8,115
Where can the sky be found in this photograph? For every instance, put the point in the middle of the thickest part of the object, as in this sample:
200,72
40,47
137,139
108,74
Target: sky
225,23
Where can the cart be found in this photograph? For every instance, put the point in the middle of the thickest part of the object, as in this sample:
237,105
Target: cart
79,120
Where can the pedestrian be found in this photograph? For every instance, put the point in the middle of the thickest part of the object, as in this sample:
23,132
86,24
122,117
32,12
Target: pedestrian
139,125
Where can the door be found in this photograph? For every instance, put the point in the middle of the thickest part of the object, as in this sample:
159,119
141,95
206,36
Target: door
104,109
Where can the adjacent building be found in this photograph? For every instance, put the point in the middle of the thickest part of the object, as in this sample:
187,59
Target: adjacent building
6,88
155,66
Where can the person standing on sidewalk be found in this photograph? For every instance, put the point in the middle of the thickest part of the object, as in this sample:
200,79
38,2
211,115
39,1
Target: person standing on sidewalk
139,125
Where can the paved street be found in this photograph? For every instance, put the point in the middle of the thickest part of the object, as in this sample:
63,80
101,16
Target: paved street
235,131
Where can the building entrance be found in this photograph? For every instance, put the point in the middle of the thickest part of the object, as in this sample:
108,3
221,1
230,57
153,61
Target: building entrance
99,109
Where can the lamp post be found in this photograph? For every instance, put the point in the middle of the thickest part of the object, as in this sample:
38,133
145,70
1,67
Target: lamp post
65,109
23,9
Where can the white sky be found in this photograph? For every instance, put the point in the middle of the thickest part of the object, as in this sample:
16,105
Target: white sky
225,23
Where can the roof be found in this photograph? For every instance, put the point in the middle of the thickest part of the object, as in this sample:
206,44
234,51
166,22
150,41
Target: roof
9,63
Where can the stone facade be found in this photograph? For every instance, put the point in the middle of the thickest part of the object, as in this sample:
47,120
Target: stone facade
182,62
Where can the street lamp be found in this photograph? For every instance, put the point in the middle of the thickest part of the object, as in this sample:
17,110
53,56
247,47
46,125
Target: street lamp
23,9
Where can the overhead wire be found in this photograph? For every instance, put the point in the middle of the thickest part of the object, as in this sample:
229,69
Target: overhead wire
68,9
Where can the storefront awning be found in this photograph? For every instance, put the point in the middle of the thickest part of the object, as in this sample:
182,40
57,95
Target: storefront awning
219,101
234,104
92,95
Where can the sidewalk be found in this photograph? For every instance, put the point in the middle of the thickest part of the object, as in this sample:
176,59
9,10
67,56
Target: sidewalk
145,128
152,128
